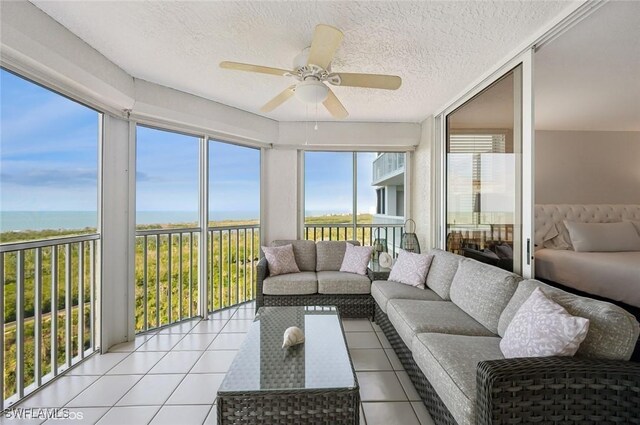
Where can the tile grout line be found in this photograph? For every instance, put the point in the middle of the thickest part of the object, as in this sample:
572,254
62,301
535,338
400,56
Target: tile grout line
187,374
109,408
127,355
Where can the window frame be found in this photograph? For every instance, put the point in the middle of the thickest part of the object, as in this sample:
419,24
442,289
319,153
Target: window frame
354,184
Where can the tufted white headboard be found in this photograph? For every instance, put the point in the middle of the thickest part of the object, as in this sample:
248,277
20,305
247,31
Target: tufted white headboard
548,214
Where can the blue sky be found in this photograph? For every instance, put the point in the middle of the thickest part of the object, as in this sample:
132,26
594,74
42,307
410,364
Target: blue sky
328,182
49,154
48,149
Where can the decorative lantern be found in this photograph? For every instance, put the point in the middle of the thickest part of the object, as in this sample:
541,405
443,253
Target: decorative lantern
409,240
379,244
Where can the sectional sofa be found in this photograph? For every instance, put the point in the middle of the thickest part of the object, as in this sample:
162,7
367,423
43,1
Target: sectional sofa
448,335
320,281
448,339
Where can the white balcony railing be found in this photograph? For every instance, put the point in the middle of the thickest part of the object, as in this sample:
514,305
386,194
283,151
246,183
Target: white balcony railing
167,270
366,234
48,294
387,165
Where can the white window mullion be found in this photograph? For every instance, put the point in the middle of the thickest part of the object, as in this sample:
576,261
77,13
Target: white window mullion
203,218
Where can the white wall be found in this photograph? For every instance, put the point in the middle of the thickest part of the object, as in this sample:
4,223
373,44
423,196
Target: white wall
349,135
587,167
281,195
117,230
421,196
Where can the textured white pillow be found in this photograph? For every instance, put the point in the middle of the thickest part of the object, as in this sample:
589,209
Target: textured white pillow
635,223
280,259
543,328
411,269
554,239
603,237
356,259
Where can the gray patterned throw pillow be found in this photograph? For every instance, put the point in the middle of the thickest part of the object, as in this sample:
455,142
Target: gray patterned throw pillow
411,269
356,259
280,259
543,328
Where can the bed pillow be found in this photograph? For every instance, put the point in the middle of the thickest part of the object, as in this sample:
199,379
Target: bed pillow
635,223
553,239
543,328
356,259
280,259
603,237
411,269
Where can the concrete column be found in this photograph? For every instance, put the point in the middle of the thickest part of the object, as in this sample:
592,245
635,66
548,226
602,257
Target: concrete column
117,228
280,194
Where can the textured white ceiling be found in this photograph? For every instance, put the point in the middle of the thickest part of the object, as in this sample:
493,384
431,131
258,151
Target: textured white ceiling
438,48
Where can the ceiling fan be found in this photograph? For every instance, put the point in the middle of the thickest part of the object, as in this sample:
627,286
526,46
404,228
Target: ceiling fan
312,69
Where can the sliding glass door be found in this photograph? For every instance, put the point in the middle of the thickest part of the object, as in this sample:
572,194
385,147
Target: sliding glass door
483,212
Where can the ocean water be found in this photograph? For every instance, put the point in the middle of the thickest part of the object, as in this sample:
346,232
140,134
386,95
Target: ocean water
43,220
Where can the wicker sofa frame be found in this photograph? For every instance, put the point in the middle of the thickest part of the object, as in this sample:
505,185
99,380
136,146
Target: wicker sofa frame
349,305
551,390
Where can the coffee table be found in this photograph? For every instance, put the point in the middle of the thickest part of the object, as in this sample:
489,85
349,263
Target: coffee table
311,383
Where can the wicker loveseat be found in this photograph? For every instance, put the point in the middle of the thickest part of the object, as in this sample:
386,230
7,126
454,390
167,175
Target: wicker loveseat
320,281
447,337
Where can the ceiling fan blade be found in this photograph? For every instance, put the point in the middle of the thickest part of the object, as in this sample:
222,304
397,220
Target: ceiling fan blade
326,40
253,68
374,81
334,106
278,100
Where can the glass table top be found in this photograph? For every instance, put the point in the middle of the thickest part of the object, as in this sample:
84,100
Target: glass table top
322,361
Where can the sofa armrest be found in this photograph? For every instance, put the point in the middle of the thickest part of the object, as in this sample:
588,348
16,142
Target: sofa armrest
562,389
262,272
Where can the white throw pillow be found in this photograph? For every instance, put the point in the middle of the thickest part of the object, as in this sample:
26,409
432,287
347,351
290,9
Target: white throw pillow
554,240
280,259
356,259
411,269
543,328
635,223
603,237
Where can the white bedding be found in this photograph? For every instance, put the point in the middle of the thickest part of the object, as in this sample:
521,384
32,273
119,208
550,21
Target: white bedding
614,275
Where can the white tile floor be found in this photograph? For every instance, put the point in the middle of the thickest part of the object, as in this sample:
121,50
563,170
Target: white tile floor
171,377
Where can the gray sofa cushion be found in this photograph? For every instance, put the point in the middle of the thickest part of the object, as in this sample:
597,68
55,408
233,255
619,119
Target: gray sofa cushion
302,283
450,362
304,251
441,272
385,290
483,291
330,282
411,317
330,254
613,332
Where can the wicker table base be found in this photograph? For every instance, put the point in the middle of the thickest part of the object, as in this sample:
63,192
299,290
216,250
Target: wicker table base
311,383
284,408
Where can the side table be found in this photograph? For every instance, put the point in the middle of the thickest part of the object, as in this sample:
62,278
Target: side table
376,272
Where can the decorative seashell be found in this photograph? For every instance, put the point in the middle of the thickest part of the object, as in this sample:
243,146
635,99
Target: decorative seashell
385,260
293,336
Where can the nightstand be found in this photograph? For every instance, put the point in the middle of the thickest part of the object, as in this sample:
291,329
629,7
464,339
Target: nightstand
376,272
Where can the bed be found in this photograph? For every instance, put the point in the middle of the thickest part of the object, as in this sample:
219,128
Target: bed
613,276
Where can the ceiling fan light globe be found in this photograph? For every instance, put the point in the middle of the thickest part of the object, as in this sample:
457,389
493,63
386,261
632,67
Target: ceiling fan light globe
312,91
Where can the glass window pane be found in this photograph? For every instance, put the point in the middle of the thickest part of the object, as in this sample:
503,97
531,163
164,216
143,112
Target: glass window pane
166,179
234,217
49,162
482,180
234,184
328,187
